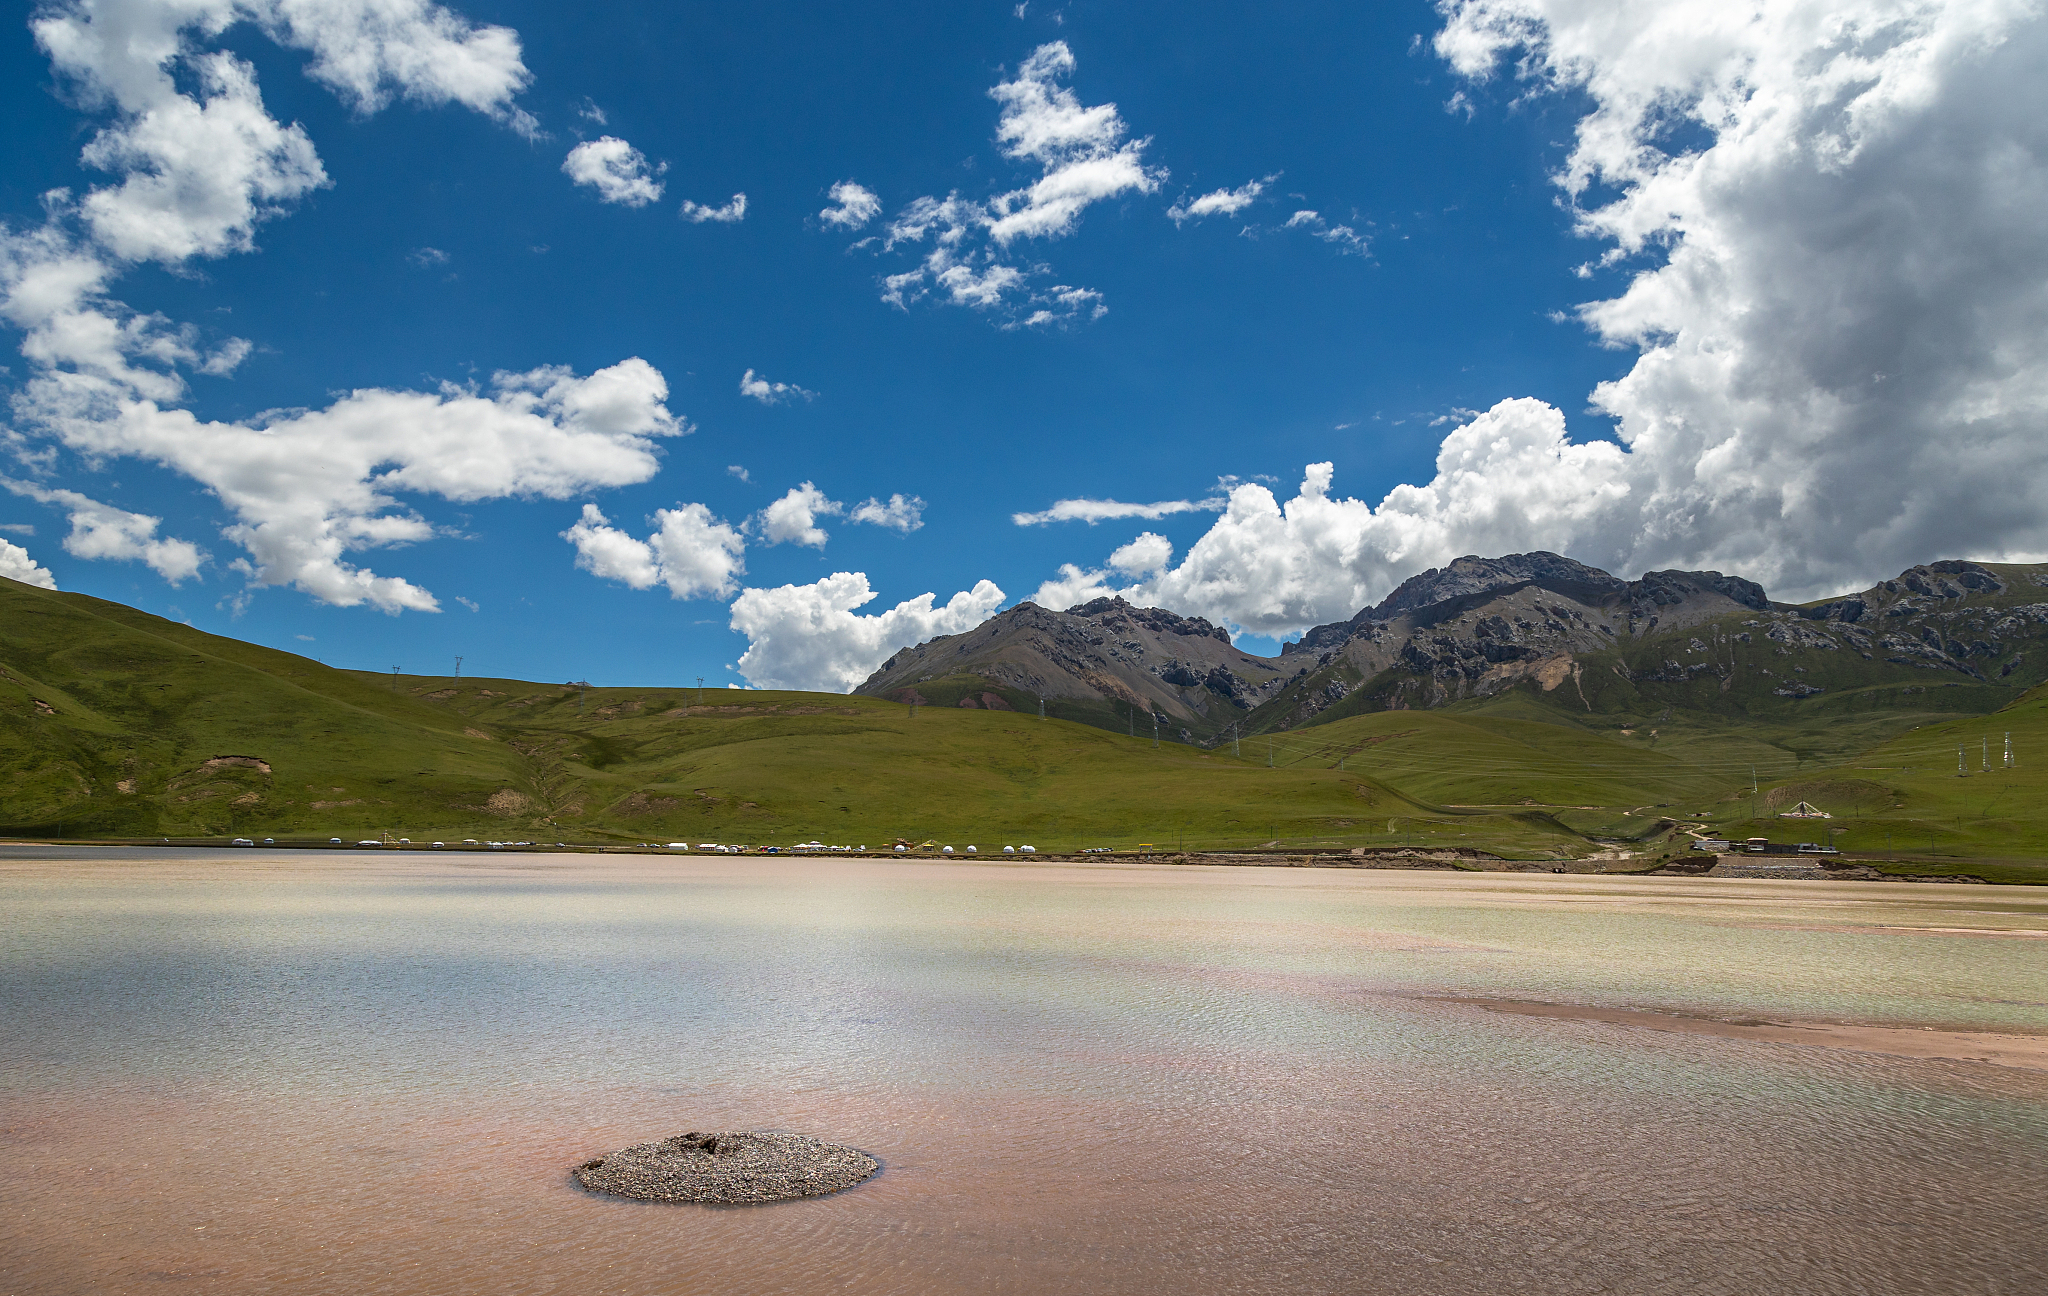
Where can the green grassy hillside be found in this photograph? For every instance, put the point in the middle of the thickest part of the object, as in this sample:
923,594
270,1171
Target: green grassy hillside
117,723
114,723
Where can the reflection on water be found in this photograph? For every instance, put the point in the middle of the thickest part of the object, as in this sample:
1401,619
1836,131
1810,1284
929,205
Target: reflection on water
365,1074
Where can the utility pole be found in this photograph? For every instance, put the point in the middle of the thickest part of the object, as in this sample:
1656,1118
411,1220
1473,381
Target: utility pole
2008,749
1962,765
1155,731
458,670
394,679
581,686
1987,755
1041,706
700,690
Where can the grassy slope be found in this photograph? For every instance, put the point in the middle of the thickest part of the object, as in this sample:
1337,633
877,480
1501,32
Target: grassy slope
130,699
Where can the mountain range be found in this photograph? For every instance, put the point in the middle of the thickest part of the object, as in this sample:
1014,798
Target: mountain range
1951,636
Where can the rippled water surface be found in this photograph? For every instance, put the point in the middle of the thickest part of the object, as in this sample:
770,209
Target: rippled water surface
363,1073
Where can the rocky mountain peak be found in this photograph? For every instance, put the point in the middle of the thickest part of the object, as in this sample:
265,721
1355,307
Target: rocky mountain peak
1475,575
1113,613
1107,658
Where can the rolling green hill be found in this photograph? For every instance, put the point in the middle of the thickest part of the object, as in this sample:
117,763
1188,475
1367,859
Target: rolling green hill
114,723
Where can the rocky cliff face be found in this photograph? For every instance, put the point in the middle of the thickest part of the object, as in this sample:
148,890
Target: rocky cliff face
1106,651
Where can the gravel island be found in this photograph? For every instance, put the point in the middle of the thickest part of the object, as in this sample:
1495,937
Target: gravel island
731,1169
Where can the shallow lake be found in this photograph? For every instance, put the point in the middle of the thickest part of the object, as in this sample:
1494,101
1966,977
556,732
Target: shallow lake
355,1072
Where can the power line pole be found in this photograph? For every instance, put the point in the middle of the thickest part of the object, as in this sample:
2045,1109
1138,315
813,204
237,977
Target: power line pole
700,690
1155,731
1041,706
394,679
458,670
1962,765
1987,755
2008,749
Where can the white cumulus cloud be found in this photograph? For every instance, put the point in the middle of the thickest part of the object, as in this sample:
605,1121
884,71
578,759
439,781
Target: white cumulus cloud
197,164
697,213
1148,553
853,206
1510,474
1836,298
772,393
308,487
201,170
618,171
691,551
103,531
811,637
793,519
17,565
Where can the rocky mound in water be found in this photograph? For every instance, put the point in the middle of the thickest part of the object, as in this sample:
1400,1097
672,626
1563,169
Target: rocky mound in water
737,1168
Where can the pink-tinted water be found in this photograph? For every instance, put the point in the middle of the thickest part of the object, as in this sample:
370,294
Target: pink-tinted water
373,1074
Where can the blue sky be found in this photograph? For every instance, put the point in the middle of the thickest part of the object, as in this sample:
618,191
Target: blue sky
1437,285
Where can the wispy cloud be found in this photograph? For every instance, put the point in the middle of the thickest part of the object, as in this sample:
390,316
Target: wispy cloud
697,213
1221,202
1083,157
772,393
1342,237
901,513
853,205
1092,511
